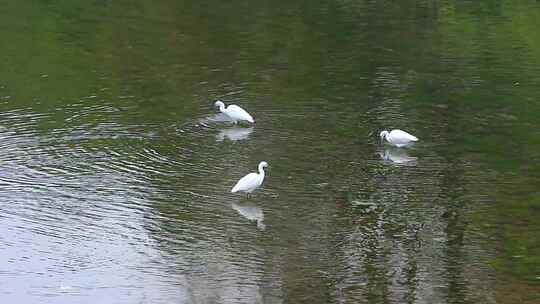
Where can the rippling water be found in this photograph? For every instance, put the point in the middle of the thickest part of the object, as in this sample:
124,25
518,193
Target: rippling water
115,169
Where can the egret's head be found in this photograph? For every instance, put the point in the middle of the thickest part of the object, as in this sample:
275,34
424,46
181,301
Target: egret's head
219,103
383,134
263,164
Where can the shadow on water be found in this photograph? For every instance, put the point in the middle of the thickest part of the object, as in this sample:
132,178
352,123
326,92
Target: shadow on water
115,170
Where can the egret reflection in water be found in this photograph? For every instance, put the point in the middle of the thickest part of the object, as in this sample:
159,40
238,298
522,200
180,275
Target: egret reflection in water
398,156
234,134
215,118
251,212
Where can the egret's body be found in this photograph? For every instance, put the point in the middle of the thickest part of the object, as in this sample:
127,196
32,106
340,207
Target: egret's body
398,138
251,181
234,112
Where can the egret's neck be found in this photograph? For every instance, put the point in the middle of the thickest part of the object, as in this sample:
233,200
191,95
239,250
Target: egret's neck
261,171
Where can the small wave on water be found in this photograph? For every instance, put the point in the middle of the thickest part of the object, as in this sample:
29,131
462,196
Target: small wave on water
102,205
82,200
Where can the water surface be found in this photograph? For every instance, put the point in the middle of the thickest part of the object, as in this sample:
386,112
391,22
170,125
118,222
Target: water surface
115,170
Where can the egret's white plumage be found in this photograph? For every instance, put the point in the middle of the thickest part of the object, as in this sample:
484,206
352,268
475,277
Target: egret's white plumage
398,138
251,181
234,112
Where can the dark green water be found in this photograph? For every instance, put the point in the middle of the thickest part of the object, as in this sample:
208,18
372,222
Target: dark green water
115,175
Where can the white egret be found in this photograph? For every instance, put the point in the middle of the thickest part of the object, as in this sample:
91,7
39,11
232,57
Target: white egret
251,181
398,138
234,112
